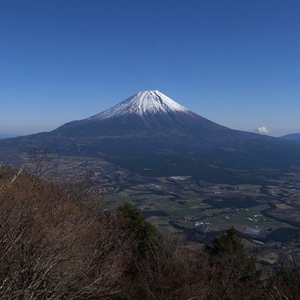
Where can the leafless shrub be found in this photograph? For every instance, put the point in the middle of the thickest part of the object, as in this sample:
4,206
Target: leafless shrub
54,247
38,160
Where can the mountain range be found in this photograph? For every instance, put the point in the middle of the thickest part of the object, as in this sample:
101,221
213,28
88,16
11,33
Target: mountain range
292,137
5,135
152,135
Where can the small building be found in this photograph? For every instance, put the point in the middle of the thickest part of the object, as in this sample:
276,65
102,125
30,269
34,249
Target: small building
252,230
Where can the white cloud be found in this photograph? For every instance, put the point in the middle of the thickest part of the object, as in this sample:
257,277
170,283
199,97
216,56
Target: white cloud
263,130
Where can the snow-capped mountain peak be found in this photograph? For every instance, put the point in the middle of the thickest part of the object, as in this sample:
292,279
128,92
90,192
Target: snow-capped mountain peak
144,102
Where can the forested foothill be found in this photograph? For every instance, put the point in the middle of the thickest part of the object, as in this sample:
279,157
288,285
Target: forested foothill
58,242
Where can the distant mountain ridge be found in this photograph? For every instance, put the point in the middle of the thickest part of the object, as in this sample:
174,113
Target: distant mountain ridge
5,135
152,135
292,137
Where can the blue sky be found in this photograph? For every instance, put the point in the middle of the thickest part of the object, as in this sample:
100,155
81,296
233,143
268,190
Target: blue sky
236,63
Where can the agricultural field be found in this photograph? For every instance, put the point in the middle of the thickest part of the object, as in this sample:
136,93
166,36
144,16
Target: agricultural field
181,204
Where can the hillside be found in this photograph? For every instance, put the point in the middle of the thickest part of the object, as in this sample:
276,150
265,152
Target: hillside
292,137
55,244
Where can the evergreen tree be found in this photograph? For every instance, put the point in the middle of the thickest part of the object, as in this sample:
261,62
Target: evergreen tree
226,243
228,251
143,232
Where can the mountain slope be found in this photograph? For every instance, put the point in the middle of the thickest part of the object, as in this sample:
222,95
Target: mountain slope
143,103
5,135
150,134
292,137
147,110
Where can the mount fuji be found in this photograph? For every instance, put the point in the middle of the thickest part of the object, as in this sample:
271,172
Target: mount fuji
152,135
143,103
146,110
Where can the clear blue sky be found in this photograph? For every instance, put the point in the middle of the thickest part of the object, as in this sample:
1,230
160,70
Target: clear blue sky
236,63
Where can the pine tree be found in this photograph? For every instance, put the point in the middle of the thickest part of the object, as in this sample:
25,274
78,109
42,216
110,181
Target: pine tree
226,243
143,232
228,251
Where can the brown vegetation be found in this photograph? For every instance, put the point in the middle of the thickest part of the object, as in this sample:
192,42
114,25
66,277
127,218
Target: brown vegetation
53,245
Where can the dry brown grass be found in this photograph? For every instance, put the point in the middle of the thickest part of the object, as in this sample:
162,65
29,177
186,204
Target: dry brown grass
52,246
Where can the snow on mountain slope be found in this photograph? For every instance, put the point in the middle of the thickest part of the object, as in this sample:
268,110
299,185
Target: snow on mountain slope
144,102
148,111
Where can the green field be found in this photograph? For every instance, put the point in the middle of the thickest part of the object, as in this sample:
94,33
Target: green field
222,206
